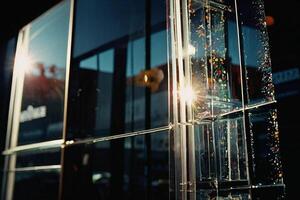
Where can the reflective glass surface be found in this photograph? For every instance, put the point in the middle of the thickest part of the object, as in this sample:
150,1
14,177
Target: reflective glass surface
41,117
242,194
231,148
215,61
128,168
256,52
38,158
36,185
119,84
265,139
119,76
220,152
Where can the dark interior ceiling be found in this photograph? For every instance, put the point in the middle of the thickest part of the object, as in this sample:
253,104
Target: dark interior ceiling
15,14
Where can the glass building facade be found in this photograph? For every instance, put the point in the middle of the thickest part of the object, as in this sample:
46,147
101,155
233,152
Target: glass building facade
143,99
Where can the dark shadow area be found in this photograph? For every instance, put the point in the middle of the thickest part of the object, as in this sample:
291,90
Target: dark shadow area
284,35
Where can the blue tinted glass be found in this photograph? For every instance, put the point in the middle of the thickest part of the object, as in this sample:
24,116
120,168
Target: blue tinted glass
118,77
41,116
256,52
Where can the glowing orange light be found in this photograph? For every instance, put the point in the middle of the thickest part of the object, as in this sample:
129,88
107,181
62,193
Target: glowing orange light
270,20
145,78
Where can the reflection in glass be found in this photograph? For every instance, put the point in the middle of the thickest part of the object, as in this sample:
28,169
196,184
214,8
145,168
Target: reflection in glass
205,152
256,52
242,194
224,195
131,168
42,106
113,89
225,44
220,151
215,58
266,155
231,148
36,185
38,158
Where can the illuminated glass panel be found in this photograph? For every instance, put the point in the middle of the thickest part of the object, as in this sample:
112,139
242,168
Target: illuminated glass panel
41,117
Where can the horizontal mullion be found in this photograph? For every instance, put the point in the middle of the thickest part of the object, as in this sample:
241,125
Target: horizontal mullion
37,168
60,142
215,117
214,5
118,136
28,147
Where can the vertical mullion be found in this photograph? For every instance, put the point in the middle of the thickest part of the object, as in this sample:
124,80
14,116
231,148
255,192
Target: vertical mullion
179,113
191,169
214,165
247,132
67,77
148,96
229,148
174,102
17,91
182,103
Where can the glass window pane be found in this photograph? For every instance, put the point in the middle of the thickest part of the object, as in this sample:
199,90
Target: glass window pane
215,60
256,52
266,155
43,93
38,158
220,151
228,195
36,185
119,76
131,168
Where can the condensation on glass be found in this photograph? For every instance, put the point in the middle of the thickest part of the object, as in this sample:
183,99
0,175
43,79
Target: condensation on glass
226,132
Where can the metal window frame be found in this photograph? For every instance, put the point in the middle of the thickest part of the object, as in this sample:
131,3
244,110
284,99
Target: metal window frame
11,147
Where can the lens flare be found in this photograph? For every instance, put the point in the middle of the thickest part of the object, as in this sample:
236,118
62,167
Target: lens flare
187,94
24,63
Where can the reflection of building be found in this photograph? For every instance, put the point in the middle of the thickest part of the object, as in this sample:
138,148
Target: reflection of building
161,99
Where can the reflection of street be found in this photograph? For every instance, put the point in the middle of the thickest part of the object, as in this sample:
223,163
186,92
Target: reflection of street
42,103
44,82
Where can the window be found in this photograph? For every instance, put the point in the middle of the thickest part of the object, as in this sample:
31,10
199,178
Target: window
119,74
143,99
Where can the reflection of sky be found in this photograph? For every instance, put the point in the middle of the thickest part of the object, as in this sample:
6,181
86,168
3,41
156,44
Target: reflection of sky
135,57
251,45
136,53
49,37
159,48
101,22
105,62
